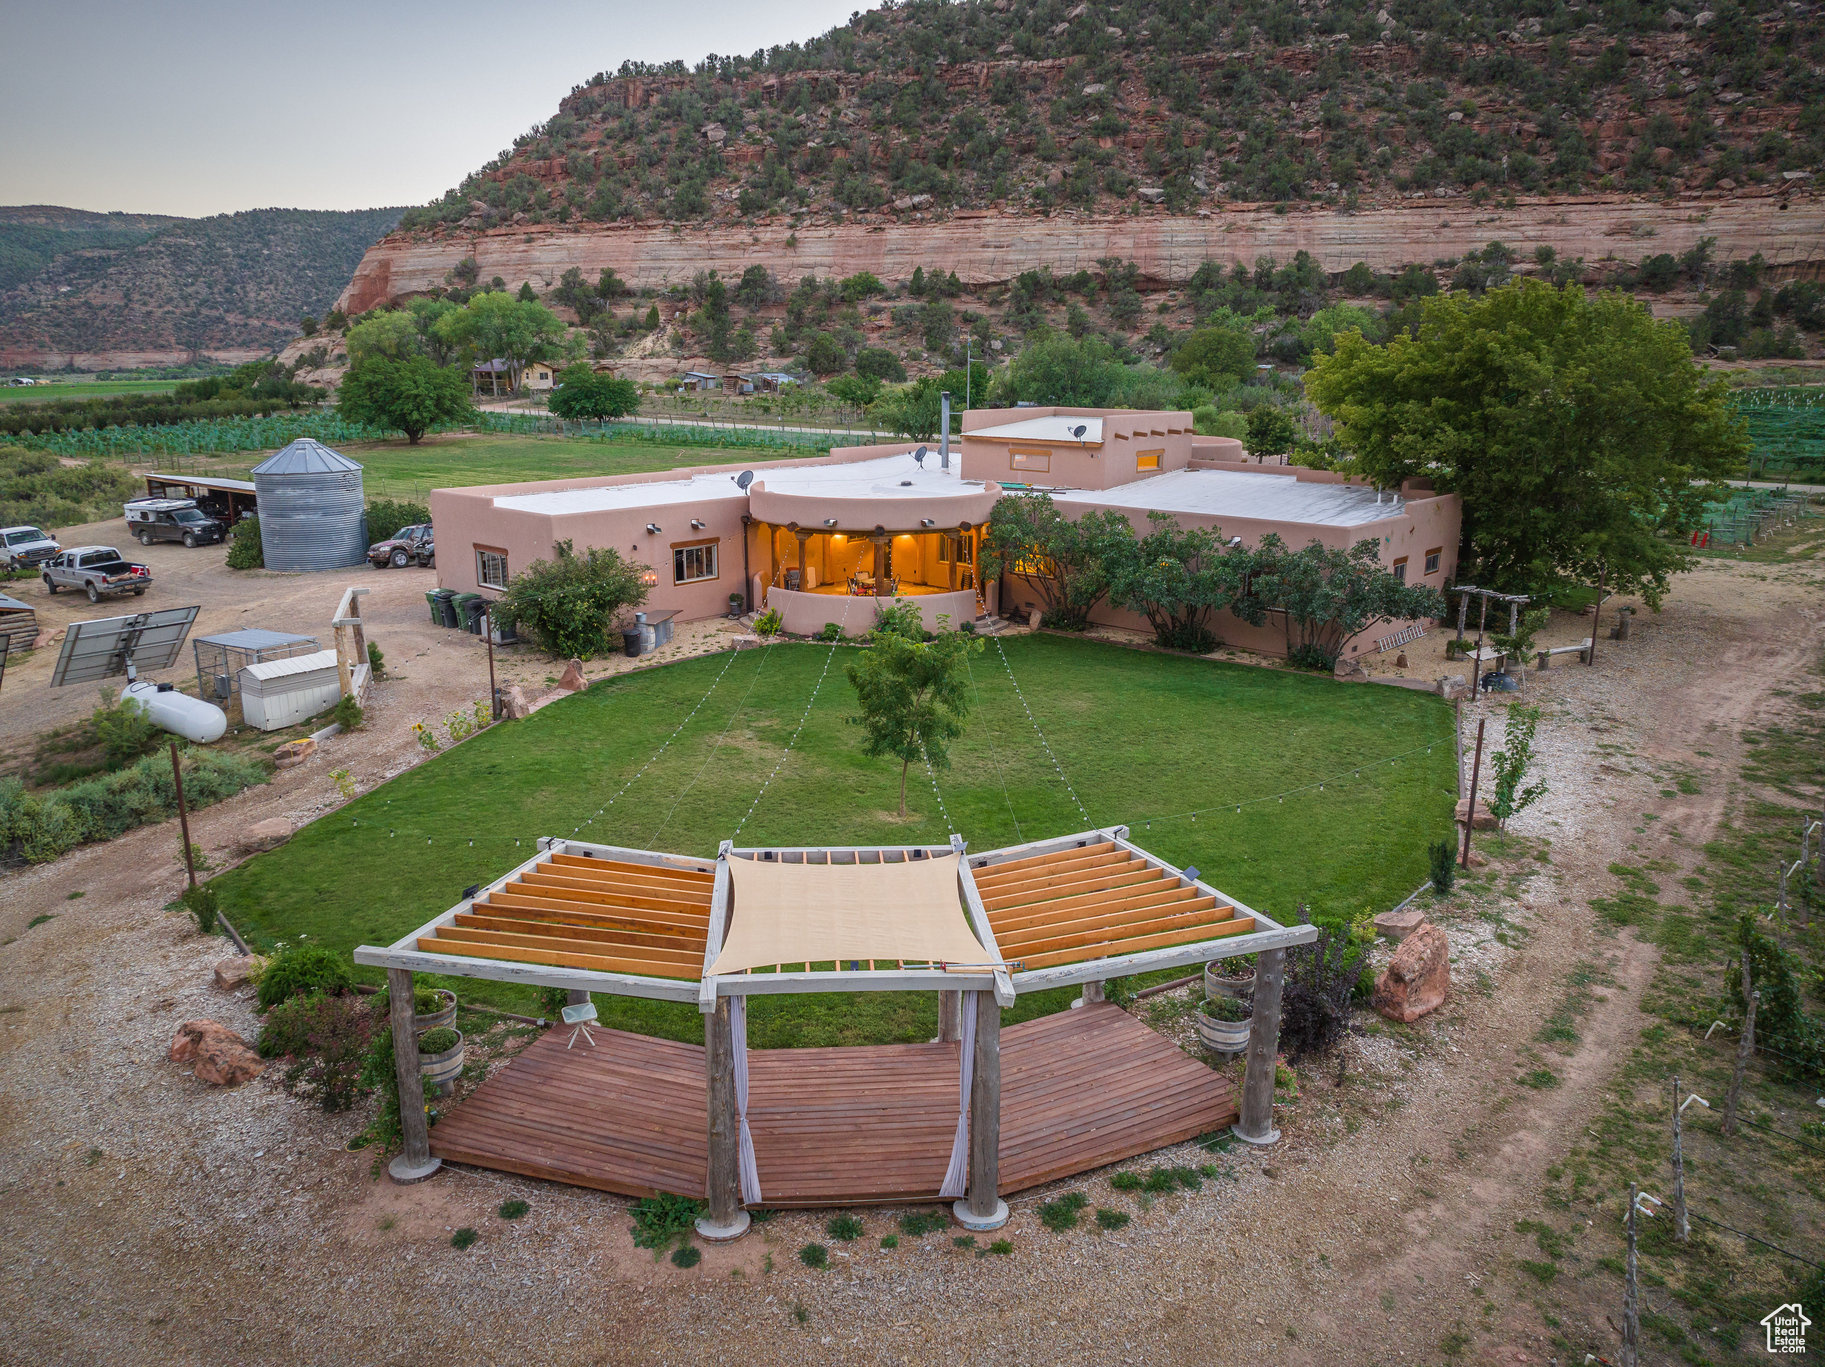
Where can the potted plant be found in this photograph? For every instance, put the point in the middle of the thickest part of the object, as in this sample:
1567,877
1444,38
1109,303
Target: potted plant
440,1056
1229,978
1223,1024
433,1008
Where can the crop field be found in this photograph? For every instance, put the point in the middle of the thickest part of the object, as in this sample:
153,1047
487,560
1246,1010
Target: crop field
1170,745
82,389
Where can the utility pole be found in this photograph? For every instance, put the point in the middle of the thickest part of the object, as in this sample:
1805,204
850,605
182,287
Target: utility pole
1744,1047
1476,771
183,816
494,694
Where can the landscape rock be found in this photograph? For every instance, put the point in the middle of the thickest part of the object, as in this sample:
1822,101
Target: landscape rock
747,641
1485,819
231,975
573,680
222,1057
1398,925
294,752
1417,980
516,703
1453,686
1151,194
264,835
1350,671
1095,88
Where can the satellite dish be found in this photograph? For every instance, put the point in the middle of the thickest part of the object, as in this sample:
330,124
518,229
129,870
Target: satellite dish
919,457
744,479
1079,431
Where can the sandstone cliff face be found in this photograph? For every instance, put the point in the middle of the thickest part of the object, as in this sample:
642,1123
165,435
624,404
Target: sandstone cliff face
986,248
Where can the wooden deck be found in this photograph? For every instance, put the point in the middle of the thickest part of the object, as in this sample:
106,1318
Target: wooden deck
1080,1089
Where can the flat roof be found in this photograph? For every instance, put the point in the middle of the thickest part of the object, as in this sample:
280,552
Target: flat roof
883,477
239,486
254,638
1055,429
1230,493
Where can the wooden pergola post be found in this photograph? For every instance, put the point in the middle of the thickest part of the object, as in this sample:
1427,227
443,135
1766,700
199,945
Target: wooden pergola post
414,1162
725,1219
880,565
1256,1125
983,1208
1092,995
950,1017
803,536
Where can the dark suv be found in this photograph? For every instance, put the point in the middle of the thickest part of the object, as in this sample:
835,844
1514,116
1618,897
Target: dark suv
407,546
192,526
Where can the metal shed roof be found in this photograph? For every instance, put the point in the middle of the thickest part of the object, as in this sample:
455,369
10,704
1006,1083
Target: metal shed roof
253,638
305,456
293,664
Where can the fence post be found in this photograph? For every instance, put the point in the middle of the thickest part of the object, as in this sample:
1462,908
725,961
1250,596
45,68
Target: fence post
1631,1294
1682,1226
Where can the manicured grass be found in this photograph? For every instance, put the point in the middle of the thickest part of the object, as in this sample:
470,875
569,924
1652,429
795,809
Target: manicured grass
82,389
1143,737
394,469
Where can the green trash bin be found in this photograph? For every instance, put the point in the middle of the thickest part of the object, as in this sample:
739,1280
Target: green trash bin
446,609
437,616
464,618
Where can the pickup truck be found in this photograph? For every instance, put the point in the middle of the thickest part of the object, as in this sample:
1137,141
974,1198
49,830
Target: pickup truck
97,570
23,547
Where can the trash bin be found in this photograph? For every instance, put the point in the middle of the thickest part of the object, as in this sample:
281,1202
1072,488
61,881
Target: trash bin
464,619
632,639
437,617
446,609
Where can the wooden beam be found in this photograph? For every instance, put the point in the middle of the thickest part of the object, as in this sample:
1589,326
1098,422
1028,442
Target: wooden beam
582,935
718,927
985,1202
1201,951
528,974
1194,934
1150,921
603,919
1257,1122
1090,904
950,1017
613,963
723,1184
1000,875
1068,884
414,1162
979,921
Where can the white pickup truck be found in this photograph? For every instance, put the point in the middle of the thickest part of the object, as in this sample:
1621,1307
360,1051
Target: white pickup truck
97,570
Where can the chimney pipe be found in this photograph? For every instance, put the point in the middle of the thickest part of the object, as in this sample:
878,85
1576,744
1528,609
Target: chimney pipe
944,429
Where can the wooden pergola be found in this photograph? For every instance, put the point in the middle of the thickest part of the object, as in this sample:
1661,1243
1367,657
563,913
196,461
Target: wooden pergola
1075,910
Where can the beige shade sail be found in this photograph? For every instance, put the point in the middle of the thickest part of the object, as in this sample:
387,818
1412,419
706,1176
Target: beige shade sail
813,913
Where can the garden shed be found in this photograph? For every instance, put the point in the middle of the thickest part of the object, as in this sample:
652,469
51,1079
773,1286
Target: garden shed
279,693
18,623
221,658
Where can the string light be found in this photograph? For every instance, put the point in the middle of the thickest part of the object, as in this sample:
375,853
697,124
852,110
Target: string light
994,752
759,669
932,774
1041,734
1279,799
791,741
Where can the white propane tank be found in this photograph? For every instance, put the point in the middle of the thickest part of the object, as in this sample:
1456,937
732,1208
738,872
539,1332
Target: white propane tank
189,717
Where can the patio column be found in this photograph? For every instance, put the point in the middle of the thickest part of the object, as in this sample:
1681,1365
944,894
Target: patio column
414,1162
983,1208
950,1017
725,1219
953,546
803,536
1091,995
880,565
1256,1125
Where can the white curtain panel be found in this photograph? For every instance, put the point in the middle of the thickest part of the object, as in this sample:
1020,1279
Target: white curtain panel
957,1175
738,1030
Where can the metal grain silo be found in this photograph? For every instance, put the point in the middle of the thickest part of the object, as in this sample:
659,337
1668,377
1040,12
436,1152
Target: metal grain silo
312,512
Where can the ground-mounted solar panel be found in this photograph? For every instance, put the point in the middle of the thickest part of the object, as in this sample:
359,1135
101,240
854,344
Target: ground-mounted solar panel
104,648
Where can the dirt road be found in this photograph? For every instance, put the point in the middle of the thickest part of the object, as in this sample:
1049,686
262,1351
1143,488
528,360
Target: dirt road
143,1214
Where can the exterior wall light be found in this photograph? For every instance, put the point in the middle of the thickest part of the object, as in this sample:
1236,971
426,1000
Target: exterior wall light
652,529
696,524
650,578
928,522
830,522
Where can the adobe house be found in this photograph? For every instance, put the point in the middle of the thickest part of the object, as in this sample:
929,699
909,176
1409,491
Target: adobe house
830,539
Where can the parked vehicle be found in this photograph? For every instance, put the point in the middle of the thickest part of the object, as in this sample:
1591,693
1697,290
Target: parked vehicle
23,547
98,571
407,546
172,519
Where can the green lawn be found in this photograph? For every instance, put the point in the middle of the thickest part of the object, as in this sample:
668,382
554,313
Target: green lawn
82,389
1141,736
393,469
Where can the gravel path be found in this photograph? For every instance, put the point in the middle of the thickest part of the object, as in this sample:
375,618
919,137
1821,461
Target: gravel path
144,1215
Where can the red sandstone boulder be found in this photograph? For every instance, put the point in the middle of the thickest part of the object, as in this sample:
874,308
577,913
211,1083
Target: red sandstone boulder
222,1057
1417,979
293,752
573,680
1485,819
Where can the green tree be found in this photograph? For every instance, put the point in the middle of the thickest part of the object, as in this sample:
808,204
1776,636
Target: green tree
1056,368
1180,577
411,395
1511,764
582,393
914,697
496,326
1318,334
1578,431
1067,563
384,332
1325,596
825,355
1270,432
568,603
1218,355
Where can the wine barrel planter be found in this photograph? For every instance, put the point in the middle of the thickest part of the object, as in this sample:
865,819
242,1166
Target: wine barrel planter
438,1019
1225,1037
439,1069
1217,983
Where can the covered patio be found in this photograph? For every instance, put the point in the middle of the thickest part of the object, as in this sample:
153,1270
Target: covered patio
968,1117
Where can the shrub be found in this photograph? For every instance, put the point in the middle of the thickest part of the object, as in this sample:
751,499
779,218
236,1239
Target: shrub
1110,1219
660,1221
337,1034
916,1224
124,730
303,970
285,1029
843,1228
1127,1181
387,515
512,1210
566,603
376,660
582,393
347,712
202,903
245,551
1310,655
1315,1002
1062,1214
424,1001
1226,1009
768,623
832,632
814,1255
890,1241
688,1256
463,1237
1441,856
1001,1247
438,1041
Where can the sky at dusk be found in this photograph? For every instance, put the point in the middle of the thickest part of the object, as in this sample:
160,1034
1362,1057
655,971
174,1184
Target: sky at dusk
206,108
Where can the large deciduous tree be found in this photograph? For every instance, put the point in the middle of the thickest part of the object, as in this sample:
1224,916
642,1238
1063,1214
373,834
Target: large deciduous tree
1066,562
412,395
913,697
1180,577
582,393
496,326
1327,596
1578,431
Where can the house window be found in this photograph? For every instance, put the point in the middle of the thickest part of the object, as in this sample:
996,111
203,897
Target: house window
693,564
1432,559
1040,461
490,567
1400,569
1148,460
